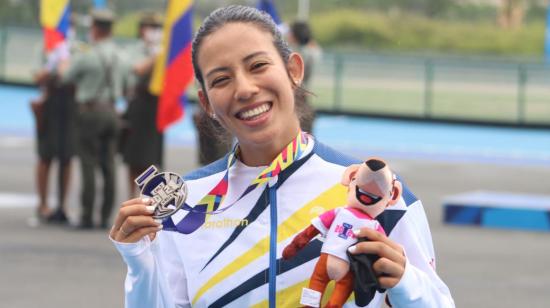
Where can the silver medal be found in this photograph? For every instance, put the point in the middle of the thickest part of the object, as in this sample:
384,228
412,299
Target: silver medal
167,189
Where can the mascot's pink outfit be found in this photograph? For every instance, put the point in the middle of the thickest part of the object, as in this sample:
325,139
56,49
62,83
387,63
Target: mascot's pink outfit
336,226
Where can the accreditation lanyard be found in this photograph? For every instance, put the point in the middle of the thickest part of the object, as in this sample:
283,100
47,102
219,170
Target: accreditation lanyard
211,203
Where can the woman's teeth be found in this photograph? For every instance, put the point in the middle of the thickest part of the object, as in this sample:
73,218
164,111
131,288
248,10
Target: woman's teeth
253,113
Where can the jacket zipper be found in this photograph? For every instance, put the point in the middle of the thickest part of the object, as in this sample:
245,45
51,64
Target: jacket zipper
273,247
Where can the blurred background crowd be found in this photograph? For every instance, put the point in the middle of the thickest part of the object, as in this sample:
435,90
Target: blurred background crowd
442,59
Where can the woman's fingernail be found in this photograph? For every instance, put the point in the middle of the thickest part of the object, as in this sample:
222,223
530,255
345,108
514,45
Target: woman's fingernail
146,200
160,226
352,249
151,208
356,232
158,221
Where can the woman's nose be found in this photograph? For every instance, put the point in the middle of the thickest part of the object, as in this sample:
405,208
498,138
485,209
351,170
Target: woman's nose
245,87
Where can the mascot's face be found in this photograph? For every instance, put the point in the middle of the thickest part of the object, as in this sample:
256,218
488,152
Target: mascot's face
372,187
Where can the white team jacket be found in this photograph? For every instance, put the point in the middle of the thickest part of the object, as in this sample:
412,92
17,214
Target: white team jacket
234,259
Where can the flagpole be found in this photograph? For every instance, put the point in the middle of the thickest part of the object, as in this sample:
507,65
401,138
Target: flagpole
303,10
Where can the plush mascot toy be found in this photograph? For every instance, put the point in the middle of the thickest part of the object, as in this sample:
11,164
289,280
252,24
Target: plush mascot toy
371,188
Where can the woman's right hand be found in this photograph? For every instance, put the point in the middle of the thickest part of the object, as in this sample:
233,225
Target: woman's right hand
134,221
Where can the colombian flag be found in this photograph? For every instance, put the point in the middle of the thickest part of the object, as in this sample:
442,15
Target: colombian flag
173,68
54,17
269,7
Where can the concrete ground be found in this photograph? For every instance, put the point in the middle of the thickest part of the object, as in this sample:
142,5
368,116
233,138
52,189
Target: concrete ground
51,266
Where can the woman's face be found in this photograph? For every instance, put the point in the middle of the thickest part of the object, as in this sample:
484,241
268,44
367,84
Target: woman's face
247,85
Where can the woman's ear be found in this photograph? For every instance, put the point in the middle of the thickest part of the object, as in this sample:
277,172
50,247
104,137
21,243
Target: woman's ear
349,174
203,100
295,68
396,192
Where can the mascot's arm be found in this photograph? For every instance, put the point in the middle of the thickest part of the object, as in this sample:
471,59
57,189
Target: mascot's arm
301,240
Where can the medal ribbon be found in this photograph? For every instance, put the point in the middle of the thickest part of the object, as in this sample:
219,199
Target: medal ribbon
210,204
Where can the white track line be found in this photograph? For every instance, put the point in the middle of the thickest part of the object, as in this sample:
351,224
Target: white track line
17,200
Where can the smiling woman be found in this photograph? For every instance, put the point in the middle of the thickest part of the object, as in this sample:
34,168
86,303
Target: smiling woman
276,179
250,90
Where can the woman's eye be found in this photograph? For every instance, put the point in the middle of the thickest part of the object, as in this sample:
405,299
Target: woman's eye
218,81
258,65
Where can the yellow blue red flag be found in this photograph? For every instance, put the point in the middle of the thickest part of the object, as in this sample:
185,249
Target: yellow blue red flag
268,6
173,68
54,17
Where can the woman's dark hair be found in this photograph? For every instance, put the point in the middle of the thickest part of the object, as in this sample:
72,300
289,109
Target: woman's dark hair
244,14
234,14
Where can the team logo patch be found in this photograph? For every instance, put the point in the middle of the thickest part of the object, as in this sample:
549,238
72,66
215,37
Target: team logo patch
344,230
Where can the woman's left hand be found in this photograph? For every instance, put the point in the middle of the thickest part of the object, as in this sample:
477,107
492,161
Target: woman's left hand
389,268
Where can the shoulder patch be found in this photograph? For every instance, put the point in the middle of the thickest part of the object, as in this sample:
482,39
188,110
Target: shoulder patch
215,167
407,194
329,154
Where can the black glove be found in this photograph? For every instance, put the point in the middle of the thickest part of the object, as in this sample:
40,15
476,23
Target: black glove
365,283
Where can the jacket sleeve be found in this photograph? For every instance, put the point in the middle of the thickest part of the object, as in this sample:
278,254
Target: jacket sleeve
156,276
420,286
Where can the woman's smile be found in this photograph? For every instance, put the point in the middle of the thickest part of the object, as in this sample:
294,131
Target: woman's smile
253,115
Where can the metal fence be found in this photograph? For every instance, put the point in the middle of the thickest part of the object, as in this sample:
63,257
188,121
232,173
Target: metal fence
478,90
447,88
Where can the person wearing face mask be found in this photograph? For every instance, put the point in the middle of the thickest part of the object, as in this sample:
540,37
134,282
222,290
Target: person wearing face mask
224,248
96,75
141,143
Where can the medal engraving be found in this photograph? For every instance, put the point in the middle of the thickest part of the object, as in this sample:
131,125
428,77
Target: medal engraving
167,189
